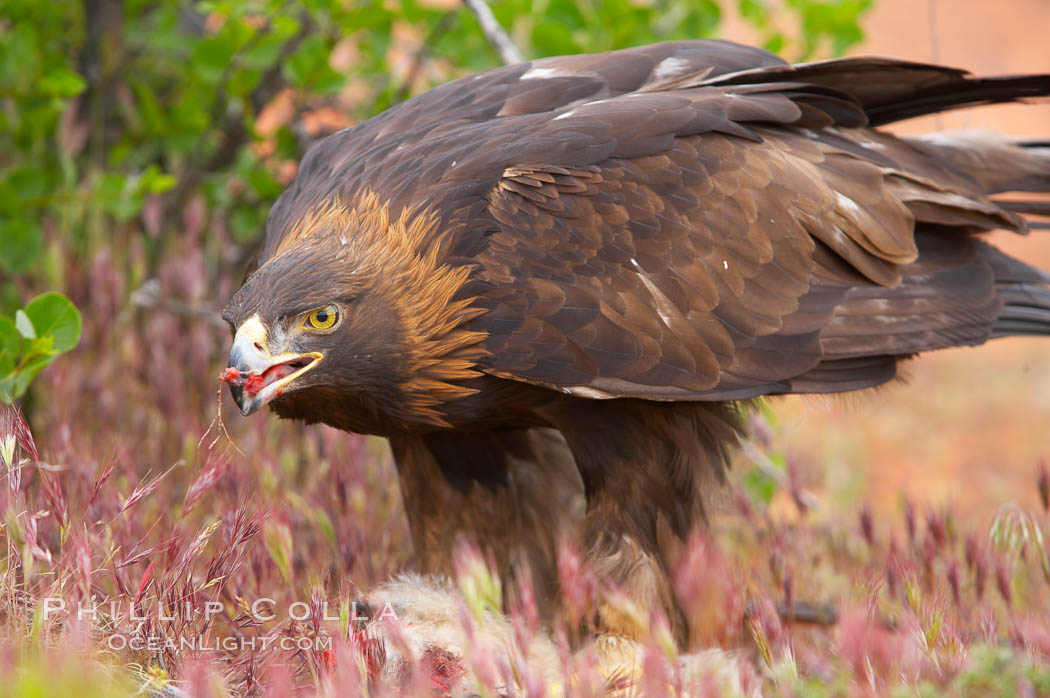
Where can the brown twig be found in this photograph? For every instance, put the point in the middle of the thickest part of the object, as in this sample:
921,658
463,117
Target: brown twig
494,32
235,132
148,295
100,63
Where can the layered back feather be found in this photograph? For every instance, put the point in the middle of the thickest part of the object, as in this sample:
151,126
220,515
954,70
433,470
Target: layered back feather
699,220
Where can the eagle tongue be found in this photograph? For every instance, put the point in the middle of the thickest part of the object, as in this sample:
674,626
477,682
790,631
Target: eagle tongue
257,381
254,383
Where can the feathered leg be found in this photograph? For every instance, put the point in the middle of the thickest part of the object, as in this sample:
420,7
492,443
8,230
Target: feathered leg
513,492
645,467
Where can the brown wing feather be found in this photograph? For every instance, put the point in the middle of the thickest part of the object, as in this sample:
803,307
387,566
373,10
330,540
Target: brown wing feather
408,151
719,266
684,220
683,263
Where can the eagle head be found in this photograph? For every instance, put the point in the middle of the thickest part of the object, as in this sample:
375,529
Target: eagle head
352,320
306,325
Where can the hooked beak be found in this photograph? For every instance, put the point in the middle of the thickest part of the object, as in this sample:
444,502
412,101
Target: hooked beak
256,376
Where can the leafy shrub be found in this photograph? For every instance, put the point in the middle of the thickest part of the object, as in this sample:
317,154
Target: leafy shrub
49,325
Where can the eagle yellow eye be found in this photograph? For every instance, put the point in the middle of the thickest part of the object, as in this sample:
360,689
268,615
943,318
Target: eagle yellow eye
322,318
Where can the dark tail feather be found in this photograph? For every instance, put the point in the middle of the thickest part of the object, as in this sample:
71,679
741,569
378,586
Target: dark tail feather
1035,208
1028,208
1009,271
1025,294
891,90
1041,151
1026,311
966,92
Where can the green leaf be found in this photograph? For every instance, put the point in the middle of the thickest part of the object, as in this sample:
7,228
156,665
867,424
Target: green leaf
308,59
754,11
116,193
61,82
263,54
326,81
552,39
150,110
29,182
10,345
211,57
20,245
25,374
775,43
24,325
759,486
7,388
21,362
566,13
262,182
40,347
153,181
54,315
242,82
246,223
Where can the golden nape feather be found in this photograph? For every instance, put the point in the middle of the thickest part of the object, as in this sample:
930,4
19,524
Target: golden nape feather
403,257
550,284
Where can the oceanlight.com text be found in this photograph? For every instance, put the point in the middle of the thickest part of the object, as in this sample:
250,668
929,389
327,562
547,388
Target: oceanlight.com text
155,643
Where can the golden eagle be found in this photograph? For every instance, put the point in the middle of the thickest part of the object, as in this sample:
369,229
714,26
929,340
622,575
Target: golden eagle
560,276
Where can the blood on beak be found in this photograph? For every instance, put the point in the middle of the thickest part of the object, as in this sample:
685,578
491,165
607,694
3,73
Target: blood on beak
254,375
